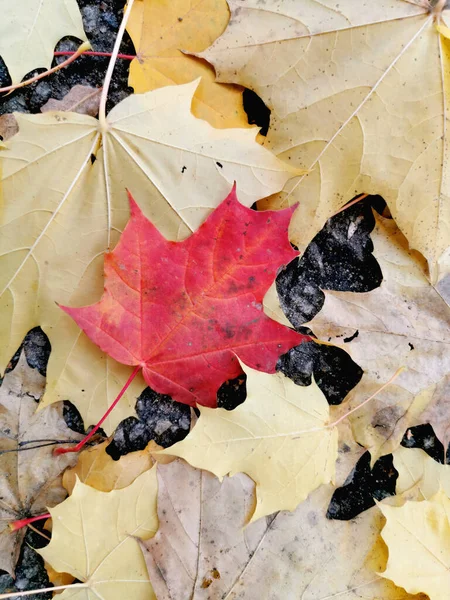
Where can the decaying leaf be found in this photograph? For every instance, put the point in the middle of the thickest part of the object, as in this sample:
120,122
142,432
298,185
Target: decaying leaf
359,96
202,551
29,32
417,535
404,322
160,32
185,311
30,479
96,468
94,539
82,99
202,544
419,474
278,436
54,233
8,126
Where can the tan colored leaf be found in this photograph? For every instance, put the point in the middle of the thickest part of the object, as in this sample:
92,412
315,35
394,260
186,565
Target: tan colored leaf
202,550
82,99
55,232
404,322
279,437
189,26
359,96
417,535
94,539
30,479
29,31
96,468
8,126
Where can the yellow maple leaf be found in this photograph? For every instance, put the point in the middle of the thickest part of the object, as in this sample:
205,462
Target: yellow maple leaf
279,437
417,535
94,539
161,30
419,475
29,31
64,204
358,97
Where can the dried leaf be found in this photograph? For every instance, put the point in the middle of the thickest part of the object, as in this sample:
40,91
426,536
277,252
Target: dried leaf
419,476
82,99
184,311
29,32
404,322
279,437
96,468
8,126
203,552
178,167
31,479
359,96
189,26
94,539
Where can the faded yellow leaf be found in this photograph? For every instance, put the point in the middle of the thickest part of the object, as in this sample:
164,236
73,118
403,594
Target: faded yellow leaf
402,323
94,539
417,535
96,468
360,97
54,233
278,436
29,31
419,474
161,30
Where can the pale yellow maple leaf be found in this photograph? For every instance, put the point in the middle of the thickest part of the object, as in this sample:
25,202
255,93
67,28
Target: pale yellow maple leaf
30,29
402,323
278,436
30,477
417,535
205,550
419,476
64,205
94,538
161,30
359,96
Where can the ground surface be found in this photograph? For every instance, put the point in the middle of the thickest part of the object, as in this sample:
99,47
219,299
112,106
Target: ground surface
333,261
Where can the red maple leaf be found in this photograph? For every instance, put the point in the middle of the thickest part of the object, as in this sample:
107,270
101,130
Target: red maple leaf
184,310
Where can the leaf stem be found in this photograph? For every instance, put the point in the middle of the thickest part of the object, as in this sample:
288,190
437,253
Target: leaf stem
355,201
92,53
43,590
112,63
15,525
74,56
78,447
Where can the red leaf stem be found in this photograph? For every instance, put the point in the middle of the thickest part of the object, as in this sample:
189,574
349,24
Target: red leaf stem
15,525
80,444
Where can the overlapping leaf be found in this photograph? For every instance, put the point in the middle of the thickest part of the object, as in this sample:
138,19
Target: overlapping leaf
31,479
417,535
64,204
160,32
94,538
184,311
279,437
359,95
29,32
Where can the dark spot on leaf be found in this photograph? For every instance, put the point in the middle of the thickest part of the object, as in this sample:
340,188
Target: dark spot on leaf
352,337
411,346
219,165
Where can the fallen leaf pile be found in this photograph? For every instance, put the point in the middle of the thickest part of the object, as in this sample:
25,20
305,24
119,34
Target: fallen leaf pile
152,246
